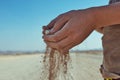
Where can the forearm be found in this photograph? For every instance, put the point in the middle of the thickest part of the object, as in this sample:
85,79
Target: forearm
102,17
107,15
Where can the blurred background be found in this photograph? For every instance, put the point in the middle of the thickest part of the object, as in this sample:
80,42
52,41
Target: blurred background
21,23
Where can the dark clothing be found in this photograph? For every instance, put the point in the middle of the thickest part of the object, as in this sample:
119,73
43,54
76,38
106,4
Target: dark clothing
113,1
111,50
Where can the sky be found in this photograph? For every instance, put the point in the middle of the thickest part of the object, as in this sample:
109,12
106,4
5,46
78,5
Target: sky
21,22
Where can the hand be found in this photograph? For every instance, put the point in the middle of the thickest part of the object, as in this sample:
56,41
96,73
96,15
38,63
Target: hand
57,23
69,29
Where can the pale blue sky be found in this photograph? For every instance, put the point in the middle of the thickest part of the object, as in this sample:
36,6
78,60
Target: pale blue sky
21,21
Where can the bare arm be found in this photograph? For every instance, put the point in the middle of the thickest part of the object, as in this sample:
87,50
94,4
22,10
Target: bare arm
107,15
71,28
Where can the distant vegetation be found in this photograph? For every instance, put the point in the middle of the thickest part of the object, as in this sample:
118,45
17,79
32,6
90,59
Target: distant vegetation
88,51
19,52
40,52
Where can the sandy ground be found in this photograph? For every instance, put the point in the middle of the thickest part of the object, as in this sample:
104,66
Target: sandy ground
27,67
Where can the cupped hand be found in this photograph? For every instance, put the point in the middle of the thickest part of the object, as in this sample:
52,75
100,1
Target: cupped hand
69,29
57,23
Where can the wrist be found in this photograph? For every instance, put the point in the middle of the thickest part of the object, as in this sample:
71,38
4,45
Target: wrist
106,15
90,16
93,12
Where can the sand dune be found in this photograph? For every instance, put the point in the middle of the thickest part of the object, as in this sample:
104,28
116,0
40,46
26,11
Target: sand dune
27,67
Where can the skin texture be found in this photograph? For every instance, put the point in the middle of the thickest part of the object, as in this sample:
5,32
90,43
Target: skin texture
71,28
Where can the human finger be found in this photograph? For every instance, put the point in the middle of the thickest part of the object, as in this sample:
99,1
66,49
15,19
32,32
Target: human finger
59,35
51,24
44,29
61,44
59,24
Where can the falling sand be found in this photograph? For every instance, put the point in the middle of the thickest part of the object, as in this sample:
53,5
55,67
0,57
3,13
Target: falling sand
56,66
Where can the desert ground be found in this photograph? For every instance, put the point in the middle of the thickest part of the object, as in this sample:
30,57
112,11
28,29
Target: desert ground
28,67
